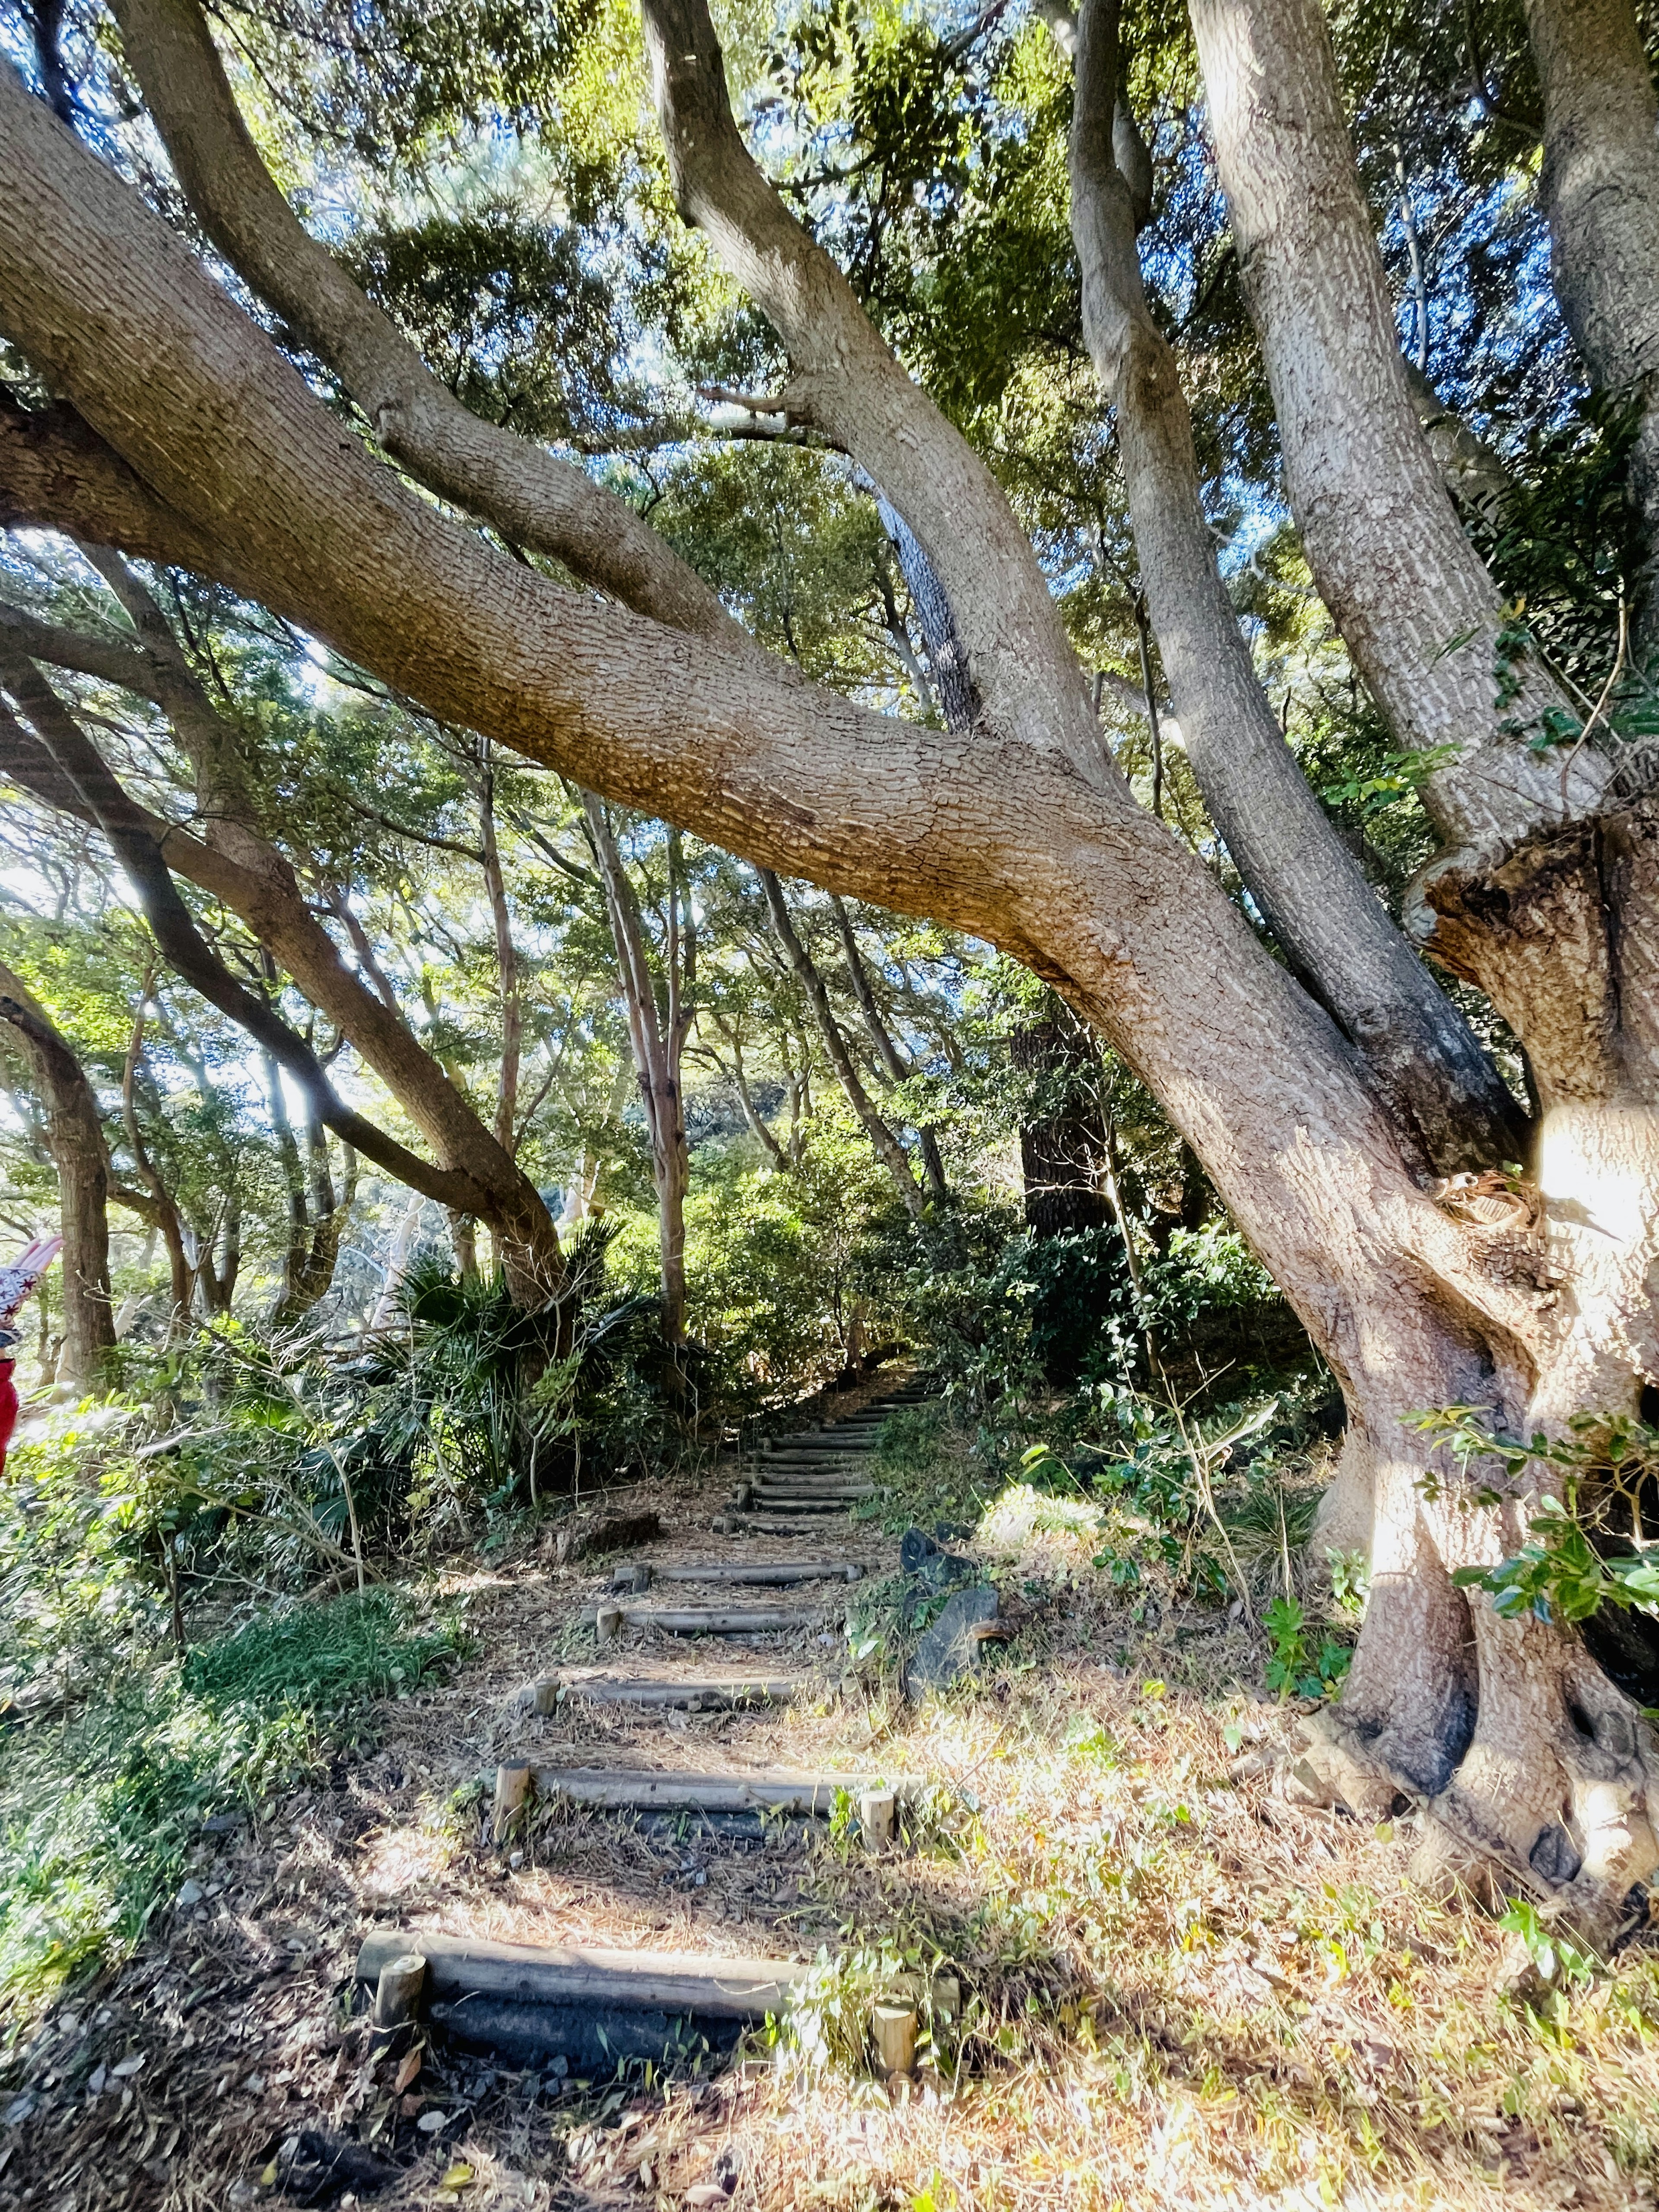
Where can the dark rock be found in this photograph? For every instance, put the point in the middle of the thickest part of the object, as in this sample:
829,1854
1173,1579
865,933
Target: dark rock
929,1564
313,2168
952,1646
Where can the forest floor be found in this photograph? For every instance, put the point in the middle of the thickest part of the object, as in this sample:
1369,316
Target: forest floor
1185,1988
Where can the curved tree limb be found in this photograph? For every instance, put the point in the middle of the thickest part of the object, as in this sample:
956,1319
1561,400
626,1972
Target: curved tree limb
531,496
846,380
238,865
188,951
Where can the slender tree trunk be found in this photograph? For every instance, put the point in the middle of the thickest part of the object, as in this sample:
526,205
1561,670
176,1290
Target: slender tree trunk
758,1127
888,1149
506,963
180,1278
656,1045
76,1137
1599,188
898,1068
1062,1142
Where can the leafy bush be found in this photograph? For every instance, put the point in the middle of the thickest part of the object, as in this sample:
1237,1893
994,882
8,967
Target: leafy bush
102,1806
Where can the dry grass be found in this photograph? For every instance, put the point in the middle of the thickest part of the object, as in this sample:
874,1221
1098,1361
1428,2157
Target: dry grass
1185,1990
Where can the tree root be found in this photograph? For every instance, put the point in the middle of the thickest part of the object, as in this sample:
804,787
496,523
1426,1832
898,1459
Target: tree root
1556,1798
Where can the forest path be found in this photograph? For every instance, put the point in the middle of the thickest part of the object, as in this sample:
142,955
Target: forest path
711,1656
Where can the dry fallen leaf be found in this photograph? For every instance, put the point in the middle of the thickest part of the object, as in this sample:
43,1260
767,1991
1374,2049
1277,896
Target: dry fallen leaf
406,2072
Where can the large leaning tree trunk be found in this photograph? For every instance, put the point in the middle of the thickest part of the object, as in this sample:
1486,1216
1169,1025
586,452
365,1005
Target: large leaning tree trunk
75,1137
1548,898
235,860
1325,915
1600,191
183,434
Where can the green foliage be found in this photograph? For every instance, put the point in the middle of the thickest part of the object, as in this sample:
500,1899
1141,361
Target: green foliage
1579,1559
907,1442
1553,1955
1295,1666
102,1806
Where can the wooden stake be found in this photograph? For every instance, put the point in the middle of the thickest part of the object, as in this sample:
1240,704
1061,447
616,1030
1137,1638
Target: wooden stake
397,1992
608,1624
893,2024
539,1697
878,1818
511,1788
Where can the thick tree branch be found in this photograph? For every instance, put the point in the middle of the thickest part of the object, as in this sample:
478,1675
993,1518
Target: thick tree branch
1414,604
188,951
847,381
531,496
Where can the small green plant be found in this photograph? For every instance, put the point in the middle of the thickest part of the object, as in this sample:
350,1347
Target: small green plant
100,1811
1607,1466
1295,1668
1554,1957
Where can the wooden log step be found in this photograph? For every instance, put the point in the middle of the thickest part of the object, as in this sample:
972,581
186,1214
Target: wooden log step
519,1973
714,1694
759,1571
818,1448
770,1486
709,1620
739,1523
771,1502
806,1796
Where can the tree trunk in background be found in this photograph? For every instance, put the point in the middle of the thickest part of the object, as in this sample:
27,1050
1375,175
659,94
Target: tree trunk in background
899,1070
1599,188
738,1075
889,1150
317,1213
1062,1145
181,1280
76,1137
657,1037
507,962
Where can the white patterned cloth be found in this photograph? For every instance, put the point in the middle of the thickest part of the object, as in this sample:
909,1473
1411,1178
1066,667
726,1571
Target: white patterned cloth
18,1277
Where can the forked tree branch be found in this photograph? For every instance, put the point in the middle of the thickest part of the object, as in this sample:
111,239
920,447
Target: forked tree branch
846,382
1332,927
188,951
